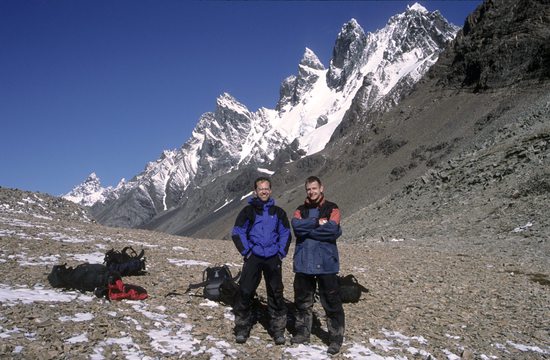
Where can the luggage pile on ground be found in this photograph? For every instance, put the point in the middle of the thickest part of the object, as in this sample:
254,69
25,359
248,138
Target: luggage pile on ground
104,280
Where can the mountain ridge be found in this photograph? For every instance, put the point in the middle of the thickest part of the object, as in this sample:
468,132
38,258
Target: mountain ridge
383,163
309,110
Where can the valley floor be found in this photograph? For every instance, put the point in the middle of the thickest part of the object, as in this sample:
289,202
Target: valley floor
433,298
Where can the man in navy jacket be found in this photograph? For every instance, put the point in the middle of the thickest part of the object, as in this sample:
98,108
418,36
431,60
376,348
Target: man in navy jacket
316,226
262,236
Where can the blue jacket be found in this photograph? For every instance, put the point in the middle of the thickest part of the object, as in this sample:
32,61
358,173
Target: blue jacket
263,229
316,251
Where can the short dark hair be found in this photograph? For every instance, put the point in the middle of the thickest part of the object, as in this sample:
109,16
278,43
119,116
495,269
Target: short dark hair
311,179
261,179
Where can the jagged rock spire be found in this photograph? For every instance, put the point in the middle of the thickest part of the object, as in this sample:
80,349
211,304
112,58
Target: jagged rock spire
311,60
293,87
348,49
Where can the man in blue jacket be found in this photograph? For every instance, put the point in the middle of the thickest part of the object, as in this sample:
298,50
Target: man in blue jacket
262,236
316,226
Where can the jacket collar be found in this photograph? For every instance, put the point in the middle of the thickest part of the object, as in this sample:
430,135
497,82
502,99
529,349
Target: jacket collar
259,204
315,204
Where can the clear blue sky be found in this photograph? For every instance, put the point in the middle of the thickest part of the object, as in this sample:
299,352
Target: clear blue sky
105,86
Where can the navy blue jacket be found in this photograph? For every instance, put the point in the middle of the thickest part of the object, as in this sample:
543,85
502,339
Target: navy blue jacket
316,251
263,229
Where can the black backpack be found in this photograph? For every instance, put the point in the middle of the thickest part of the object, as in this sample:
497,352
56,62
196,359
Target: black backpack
218,284
126,262
350,289
84,277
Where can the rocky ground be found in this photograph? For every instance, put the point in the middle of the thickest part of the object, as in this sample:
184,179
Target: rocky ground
429,297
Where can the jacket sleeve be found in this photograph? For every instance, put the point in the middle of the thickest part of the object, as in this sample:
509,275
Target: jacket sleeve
285,236
330,231
303,227
240,233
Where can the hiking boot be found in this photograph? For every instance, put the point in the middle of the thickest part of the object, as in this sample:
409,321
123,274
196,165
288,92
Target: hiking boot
241,338
279,339
300,339
334,348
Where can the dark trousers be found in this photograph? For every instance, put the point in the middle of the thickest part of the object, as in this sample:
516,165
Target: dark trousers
329,292
251,276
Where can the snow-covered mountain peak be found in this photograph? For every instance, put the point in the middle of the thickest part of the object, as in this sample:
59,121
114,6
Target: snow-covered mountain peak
92,183
311,60
228,102
373,70
416,13
417,28
347,50
87,193
353,26
294,88
350,33
392,59
418,8
121,183
92,178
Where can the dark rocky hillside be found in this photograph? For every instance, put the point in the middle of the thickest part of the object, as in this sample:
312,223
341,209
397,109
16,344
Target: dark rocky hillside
502,43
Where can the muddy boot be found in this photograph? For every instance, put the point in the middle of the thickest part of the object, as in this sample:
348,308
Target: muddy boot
279,339
241,335
334,348
300,338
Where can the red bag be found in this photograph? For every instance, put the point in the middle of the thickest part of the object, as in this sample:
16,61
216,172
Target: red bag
118,291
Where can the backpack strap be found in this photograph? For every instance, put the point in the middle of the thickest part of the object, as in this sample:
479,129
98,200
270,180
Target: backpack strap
199,284
361,287
226,268
205,280
126,248
251,216
134,254
356,282
236,277
196,286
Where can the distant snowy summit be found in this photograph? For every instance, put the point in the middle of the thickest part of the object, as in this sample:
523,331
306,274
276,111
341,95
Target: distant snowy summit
90,191
372,69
